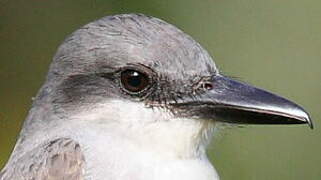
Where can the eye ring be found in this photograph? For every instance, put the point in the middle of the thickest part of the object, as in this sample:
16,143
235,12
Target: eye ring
134,81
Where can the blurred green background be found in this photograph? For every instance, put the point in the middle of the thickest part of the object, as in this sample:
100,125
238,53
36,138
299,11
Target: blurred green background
272,44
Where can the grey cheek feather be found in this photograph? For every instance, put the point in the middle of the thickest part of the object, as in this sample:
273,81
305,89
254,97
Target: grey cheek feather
80,91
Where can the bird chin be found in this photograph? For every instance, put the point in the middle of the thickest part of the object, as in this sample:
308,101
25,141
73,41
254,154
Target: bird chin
151,127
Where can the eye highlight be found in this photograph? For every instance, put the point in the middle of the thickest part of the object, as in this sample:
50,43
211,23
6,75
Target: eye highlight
134,81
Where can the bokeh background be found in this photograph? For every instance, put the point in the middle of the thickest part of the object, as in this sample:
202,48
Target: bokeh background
272,44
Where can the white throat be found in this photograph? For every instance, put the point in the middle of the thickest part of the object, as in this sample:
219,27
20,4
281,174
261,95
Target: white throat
151,129
126,140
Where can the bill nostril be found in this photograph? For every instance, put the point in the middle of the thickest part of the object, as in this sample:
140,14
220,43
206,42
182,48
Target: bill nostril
207,86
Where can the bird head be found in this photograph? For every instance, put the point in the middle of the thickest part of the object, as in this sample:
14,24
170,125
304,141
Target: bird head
141,74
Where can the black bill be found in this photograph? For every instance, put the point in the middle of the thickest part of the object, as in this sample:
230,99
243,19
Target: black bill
236,102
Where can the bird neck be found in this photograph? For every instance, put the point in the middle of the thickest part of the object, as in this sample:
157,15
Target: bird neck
163,155
178,139
170,149
150,130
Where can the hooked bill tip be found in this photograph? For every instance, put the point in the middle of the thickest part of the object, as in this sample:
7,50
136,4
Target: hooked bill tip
309,122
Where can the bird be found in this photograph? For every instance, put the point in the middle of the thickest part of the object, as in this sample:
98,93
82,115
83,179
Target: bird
132,97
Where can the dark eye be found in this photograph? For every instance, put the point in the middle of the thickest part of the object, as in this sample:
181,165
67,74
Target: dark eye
134,81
